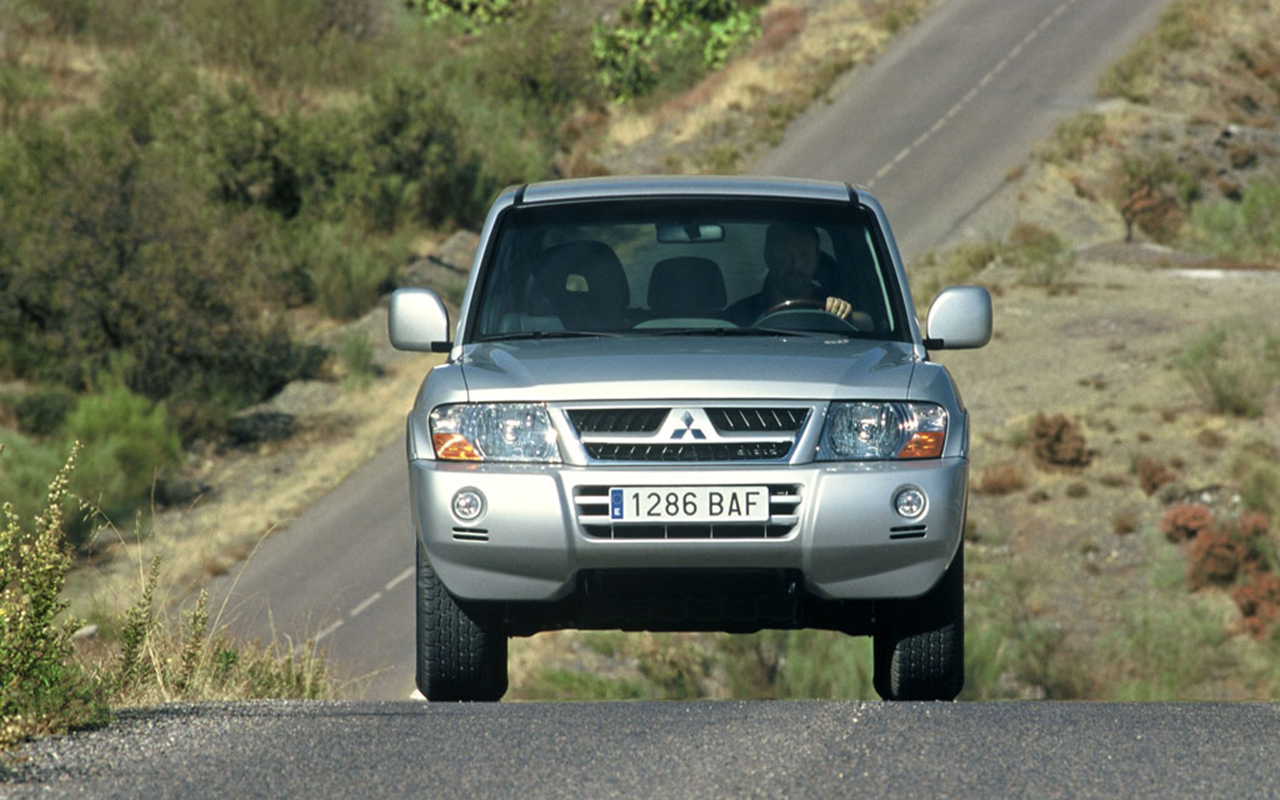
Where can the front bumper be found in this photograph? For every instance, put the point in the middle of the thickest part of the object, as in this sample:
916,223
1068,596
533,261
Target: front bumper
847,540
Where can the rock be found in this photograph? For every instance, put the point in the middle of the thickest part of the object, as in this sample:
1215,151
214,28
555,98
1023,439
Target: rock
179,490
448,264
85,634
256,426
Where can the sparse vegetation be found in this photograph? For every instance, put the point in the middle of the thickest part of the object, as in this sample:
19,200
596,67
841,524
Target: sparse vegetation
1234,367
1246,230
49,684
1073,136
961,264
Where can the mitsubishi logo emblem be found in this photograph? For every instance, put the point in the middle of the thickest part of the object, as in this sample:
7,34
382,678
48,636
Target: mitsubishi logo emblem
688,428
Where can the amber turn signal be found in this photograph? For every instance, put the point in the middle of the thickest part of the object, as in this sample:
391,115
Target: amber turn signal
454,447
923,444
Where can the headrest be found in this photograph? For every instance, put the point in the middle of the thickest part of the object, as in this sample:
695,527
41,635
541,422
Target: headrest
687,286
587,269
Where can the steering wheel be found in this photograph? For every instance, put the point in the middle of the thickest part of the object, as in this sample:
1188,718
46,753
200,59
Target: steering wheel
808,307
788,305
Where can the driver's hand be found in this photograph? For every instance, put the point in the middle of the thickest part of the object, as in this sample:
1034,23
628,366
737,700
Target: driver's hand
838,307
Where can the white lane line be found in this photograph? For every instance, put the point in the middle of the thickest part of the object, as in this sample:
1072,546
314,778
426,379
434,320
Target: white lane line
391,584
326,631
972,93
368,601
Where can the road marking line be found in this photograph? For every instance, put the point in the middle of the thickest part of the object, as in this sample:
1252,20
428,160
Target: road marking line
368,601
417,695
391,584
326,631
971,94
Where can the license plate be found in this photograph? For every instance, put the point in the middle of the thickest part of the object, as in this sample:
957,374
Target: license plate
689,504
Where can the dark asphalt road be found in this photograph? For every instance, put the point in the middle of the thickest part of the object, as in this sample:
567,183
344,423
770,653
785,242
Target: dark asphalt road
795,749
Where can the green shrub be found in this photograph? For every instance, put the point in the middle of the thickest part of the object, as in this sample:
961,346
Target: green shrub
41,412
1248,229
127,441
42,690
1259,478
685,38
798,664
1041,255
936,271
563,684
345,276
356,354
115,257
1234,367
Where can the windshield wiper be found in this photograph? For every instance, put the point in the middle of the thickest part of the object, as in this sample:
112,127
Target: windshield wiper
731,332
508,337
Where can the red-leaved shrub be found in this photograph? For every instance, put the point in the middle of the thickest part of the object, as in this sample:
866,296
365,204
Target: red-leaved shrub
1214,558
1152,474
1259,602
1185,521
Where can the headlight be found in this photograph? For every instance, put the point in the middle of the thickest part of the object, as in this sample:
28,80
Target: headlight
493,432
882,431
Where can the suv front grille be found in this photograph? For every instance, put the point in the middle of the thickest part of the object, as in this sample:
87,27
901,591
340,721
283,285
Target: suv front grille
735,451
757,420
593,515
618,420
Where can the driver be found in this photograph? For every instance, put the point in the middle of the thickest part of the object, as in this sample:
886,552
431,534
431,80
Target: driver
792,257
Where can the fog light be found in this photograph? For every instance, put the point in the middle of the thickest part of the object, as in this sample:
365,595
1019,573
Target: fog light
910,503
468,504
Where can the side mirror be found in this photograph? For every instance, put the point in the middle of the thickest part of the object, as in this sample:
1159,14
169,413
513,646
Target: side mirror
418,320
959,319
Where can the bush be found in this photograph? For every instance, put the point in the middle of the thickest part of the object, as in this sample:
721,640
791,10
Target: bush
1234,367
41,412
1152,474
1073,136
685,38
1244,230
127,441
1185,521
936,271
1214,558
798,665
42,690
345,277
1058,442
1040,253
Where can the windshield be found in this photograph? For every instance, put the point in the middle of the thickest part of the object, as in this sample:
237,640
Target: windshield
707,267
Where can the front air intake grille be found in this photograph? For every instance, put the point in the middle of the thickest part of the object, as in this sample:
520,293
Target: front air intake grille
618,420
757,420
702,451
593,514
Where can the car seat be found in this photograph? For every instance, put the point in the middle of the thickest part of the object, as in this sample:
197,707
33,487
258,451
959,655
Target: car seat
686,286
585,285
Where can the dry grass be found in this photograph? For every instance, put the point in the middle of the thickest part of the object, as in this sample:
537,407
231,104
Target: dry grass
1002,479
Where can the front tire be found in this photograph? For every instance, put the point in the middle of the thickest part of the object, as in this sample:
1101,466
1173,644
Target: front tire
919,649
462,648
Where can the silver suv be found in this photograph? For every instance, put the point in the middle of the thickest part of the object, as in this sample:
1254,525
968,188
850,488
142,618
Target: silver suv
688,404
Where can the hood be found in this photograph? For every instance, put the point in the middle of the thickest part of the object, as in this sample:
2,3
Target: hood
693,367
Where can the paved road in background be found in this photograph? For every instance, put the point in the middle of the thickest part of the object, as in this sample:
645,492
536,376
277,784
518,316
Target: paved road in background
695,750
933,127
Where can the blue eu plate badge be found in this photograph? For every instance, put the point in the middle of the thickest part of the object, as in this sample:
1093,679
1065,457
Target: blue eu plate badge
615,504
